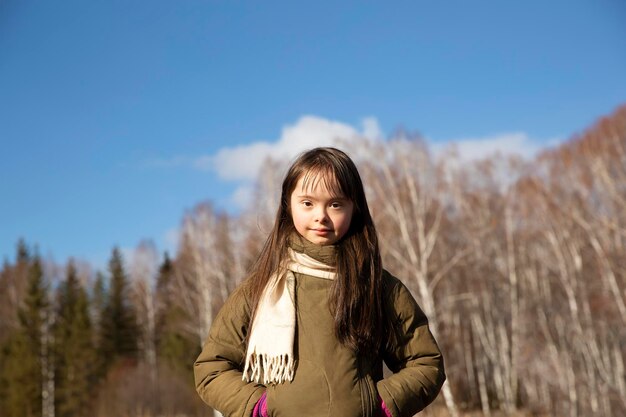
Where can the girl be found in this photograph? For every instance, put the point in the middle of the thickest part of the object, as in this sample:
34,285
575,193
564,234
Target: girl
307,332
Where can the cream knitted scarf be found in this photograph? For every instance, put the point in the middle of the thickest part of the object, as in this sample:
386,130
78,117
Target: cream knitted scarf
269,358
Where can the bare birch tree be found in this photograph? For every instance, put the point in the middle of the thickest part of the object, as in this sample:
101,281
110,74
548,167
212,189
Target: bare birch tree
207,267
404,192
143,273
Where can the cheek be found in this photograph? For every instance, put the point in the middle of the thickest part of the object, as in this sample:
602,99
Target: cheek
343,223
297,218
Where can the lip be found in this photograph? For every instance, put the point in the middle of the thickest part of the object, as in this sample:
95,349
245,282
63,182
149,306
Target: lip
321,231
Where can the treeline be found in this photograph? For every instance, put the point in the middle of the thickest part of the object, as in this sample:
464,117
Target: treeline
76,345
520,266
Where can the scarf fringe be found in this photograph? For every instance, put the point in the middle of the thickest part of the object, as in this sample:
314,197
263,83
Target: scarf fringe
275,369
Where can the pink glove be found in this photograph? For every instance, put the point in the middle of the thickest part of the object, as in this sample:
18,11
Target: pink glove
384,409
260,409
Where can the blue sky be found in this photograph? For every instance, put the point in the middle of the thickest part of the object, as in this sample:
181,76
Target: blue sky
114,115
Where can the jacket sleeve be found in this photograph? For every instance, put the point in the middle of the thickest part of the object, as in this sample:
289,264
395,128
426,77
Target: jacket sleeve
218,369
415,360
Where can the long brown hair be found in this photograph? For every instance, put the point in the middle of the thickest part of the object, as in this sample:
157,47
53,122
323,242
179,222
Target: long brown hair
356,295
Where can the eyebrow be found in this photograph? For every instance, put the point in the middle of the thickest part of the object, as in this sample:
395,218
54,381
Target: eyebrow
313,198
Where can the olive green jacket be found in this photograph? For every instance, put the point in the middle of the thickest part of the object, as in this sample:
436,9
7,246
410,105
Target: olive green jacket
330,379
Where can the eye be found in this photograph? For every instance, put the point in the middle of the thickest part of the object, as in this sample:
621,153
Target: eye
307,203
336,205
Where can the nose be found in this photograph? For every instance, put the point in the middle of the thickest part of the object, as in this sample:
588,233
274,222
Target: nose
321,214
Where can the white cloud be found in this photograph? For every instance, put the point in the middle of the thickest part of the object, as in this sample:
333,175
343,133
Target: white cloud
466,152
242,196
471,149
371,129
243,162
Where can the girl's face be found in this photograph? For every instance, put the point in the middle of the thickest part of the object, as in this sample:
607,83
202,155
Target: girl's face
318,215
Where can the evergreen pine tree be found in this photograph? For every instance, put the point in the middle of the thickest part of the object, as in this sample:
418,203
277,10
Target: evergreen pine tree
22,370
163,295
22,252
176,348
6,315
97,305
118,323
75,353
98,299
5,337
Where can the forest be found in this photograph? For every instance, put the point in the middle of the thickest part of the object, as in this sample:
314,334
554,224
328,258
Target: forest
519,264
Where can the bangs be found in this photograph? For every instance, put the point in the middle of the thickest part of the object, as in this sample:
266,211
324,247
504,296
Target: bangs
323,177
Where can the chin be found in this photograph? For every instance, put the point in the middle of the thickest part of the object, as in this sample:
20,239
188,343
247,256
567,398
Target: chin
326,242
320,241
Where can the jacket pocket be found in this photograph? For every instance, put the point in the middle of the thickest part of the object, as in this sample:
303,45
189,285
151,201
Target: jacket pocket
308,394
